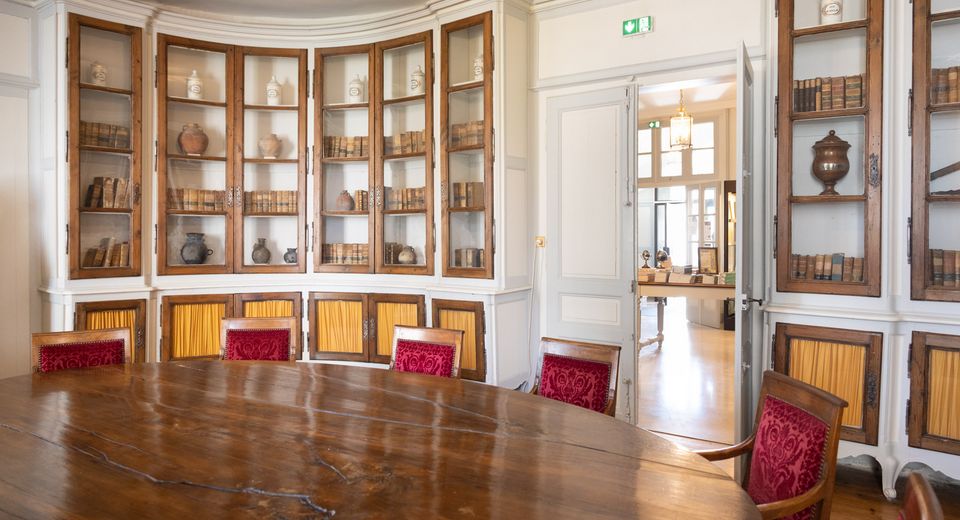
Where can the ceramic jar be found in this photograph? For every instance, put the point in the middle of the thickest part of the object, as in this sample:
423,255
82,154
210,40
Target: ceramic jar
831,11
273,91
830,162
416,82
260,254
290,256
270,146
194,86
192,139
355,90
407,255
195,250
345,202
478,68
98,74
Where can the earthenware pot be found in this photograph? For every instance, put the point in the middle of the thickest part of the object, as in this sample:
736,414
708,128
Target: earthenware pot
195,250
407,256
345,202
270,146
192,139
260,254
290,256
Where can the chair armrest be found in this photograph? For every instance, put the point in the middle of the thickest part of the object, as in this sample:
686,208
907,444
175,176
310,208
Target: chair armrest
728,452
782,508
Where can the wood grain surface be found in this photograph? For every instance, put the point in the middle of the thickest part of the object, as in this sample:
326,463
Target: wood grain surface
204,439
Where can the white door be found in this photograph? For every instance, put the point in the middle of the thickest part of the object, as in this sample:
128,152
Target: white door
590,221
749,266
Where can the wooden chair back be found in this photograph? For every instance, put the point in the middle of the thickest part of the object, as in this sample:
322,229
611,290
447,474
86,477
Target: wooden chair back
596,352
50,339
434,336
289,323
921,502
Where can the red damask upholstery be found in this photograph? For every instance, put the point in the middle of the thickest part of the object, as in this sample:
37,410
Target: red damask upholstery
575,381
258,344
788,454
65,356
424,358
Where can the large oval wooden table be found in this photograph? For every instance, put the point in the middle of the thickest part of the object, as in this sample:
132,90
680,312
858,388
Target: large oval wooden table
210,439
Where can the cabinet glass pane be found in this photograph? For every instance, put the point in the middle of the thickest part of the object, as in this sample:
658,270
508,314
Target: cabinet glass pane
944,243
350,177
203,232
466,190
399,65
345,240
404,185
466,119
830,67
833,255
104,240
807,133
267,237
109,49
212,121
260,127
340,74
346,134
403,129
464,50
944,153
467,239
339,326
211,69
403,231
258,71
944,61
939,6
807,13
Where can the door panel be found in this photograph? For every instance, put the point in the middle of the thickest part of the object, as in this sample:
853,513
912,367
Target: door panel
191,325
468,317
338,326
386,311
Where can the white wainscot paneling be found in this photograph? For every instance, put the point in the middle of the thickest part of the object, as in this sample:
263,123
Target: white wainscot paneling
515,193
594,310
513,357
15,58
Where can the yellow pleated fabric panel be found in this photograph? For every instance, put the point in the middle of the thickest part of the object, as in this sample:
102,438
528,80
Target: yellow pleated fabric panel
196,329
113,319
467,322
388,315
339,326
943,378
834,367
268,309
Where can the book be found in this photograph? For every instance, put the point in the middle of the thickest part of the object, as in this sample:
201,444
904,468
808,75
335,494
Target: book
811,267
120,198
836,272
108,192
802,267
936,258
953,89
847,269
108,245
818,270
857,269
96,197
124,257
662,276
89,258
949,268
796,95
853,90
818,94
838,92
795,266
826,95
941,86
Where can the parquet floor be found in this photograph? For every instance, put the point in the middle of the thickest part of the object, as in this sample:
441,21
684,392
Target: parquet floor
686,394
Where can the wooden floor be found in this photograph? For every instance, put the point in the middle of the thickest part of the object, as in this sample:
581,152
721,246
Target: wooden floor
686,395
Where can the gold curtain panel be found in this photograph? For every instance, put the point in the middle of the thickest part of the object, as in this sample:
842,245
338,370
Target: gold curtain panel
113,319
268,309
388,315
196,329
465,321
837,368
339,326
943,378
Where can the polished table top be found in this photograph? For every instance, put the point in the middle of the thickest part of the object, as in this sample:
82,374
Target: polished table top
208,439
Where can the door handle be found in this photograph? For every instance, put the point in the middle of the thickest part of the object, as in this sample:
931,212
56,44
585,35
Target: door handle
745,302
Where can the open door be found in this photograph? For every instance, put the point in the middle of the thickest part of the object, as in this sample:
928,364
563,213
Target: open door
590,259
749,332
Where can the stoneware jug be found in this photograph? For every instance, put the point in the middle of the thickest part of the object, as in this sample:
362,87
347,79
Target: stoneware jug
260,254
192,139
407,255
290,256
270,146
194,86
273,91
98,74
345,202
195,250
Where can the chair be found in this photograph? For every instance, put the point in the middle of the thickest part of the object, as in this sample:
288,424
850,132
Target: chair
434,352
258,339
793,449
920,503
581,374
53,351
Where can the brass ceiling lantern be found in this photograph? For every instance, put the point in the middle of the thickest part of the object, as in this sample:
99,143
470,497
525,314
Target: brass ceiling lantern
681,126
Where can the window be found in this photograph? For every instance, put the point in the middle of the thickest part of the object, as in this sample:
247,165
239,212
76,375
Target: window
657,161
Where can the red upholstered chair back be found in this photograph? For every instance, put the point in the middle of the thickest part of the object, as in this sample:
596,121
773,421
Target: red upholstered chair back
54,351
582,374
428,351
920,503
258,339
796,434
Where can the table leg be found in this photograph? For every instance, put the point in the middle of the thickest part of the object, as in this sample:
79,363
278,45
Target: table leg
661,304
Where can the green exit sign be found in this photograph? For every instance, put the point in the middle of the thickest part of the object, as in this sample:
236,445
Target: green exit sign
636,26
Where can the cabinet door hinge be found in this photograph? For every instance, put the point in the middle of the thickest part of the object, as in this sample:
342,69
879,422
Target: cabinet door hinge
155,235
311,238
909,240
776,237
776,9
909,359
67,154
910,112
776,116
155,72
67,249
66,55
309,161
493,55
906,422
633,286
433,237
156,150
310,88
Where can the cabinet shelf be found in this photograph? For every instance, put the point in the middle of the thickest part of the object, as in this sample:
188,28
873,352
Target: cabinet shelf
405,99
421,211
185,157
254,160
195,213
344,159
346,106
466,149
828,114
401,156
105,149
118,211
466,209
109,90
198,102
292,108
831,28
944,107
821,199
467,85
951,197
345,213
271,214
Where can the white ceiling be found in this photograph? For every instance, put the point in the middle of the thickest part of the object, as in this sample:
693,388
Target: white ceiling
303,9
666,97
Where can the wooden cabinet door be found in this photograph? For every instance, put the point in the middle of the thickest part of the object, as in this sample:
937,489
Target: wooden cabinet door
191,325
468,317
934,392
844,362
339,326
130,314
271,305
386,311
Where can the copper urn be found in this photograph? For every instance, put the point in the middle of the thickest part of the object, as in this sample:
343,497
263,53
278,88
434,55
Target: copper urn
830,163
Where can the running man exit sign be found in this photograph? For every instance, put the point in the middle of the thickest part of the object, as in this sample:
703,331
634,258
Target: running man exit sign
635,26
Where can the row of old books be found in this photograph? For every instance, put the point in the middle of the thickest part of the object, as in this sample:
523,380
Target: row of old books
467,195
103,134
404,198
835,93
468,257
191,199
109,254
346,146
945,267
351,254
276,201
834,267
107,192
684,276
945,85
361,200
404,142
466,134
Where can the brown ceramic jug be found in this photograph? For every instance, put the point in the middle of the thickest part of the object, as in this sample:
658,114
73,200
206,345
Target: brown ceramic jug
192,140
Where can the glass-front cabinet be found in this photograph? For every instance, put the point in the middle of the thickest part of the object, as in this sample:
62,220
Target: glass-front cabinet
104,148
466,149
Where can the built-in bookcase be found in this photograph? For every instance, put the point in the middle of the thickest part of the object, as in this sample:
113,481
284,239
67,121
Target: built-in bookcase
104,148
935,255
830,84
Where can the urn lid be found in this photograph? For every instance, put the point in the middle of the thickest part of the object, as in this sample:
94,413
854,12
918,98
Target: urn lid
831,141
192,126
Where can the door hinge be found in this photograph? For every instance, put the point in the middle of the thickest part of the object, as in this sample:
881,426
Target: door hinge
776,9
633,286
776,116
909,240
433,237
156,150
909,359
310,85
155,72
910,112
66,55
493,53
310,248
67,154
155,236
68,239
776,237
307,162
906,422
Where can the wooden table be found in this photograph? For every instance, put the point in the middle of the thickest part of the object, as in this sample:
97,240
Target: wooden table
659,292
208,439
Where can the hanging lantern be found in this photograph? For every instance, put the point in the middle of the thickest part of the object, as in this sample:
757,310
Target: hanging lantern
681,126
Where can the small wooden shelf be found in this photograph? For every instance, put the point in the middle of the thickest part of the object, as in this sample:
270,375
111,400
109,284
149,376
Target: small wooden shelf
945,15
828,114
401,156
196,213
271,214
467,85
199,102
830,28
254,160
105,149
468,148
108,90
184,157
466,209
345,213
953,197
826,199
405,99
344,159
944,107
290,108
117,211
421,211
346,106
835,282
